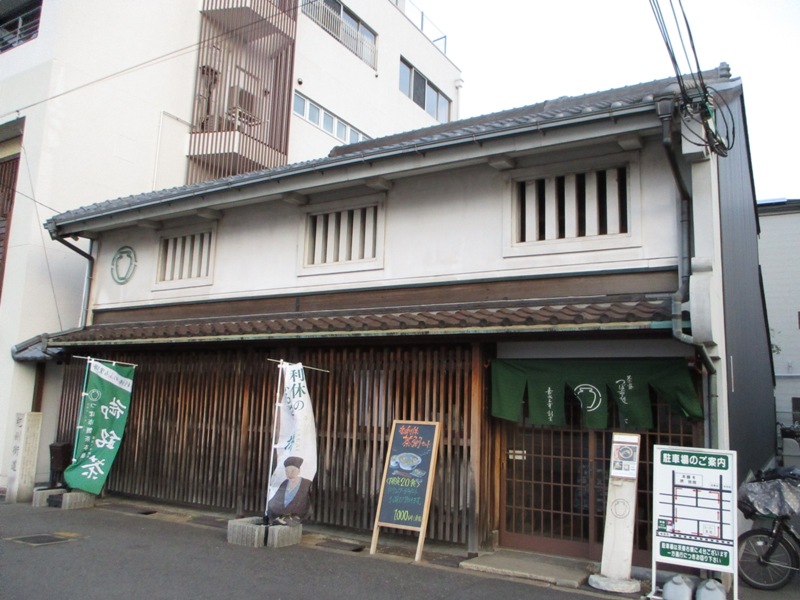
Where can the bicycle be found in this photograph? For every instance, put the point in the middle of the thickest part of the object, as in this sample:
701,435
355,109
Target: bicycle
770,557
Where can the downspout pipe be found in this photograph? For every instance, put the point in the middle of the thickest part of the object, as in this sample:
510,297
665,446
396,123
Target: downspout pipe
88,280
666,109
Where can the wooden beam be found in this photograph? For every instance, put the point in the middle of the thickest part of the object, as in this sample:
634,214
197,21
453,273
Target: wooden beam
379,184
209,213
294,198
502,163
148,224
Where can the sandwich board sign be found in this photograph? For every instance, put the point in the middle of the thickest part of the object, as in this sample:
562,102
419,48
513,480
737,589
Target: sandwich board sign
407,484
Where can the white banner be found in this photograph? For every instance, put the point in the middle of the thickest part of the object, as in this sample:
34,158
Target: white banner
295,449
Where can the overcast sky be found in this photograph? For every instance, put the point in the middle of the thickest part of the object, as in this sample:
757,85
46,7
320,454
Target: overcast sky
518,52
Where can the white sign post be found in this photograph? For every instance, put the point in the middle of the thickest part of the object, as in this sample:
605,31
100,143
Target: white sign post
694,510
615,568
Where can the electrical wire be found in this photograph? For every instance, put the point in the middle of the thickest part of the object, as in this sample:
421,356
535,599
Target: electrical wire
698,107
156,60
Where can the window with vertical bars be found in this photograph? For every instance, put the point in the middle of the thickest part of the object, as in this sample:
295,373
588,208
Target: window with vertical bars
342,236
585,204
186,258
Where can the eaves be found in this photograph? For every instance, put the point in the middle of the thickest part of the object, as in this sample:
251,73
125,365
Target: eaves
366,168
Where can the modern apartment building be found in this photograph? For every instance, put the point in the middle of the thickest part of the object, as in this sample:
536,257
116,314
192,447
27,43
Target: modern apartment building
104,98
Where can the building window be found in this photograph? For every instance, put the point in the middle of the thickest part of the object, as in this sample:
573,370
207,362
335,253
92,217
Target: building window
345,236
342,130
572,206
417,87
186,258
19,24
335,18
8,187
576,207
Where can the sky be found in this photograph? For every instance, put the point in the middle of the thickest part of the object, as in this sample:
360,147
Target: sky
517,52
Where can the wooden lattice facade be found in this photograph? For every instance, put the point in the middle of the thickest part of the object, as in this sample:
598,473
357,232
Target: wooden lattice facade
200,427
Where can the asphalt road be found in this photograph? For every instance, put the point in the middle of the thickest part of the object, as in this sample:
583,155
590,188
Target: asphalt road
105,554
111,552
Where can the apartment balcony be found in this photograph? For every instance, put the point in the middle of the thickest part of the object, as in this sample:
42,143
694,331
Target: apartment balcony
225,153
19,25
252,20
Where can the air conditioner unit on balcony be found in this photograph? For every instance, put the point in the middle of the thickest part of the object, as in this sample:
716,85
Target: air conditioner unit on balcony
241,99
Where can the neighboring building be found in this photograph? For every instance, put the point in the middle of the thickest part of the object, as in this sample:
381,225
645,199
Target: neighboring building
101,99
478,273
780,220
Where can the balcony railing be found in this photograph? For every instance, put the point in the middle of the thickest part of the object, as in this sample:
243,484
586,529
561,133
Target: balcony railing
423,23
343,31
20,29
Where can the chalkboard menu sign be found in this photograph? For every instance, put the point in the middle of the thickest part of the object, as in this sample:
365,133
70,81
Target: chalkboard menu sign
408,479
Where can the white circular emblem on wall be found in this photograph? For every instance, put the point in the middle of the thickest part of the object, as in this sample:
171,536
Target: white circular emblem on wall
589,396
123,265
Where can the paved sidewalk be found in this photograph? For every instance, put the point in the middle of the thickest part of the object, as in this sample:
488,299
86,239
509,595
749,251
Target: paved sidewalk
133,550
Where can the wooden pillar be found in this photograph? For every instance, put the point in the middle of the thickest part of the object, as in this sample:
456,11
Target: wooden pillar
476,450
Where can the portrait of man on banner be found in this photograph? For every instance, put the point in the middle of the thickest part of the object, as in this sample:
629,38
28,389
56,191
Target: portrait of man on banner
294,456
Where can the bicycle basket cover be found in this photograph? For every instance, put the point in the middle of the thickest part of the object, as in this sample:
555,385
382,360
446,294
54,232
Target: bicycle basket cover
776,497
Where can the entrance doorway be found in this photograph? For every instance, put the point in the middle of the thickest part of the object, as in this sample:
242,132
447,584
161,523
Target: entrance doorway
555,481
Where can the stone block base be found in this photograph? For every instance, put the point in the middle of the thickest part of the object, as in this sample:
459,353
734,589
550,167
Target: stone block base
40,496
279,536
247,532
61,497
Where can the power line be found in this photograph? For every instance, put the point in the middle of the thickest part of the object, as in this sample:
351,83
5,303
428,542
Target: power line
698,105
158,59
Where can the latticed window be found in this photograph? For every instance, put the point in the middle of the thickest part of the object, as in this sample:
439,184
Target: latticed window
590,203
187,257
8,184
343,236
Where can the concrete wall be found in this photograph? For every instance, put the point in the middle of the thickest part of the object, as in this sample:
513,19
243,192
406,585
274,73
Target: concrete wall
368,99
92,131
781,272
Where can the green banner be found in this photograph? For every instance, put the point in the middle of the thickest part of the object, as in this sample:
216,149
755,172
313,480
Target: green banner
593,383
104,410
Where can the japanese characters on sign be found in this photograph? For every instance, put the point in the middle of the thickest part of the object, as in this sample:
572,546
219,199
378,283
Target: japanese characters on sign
694,507
407,477
101,423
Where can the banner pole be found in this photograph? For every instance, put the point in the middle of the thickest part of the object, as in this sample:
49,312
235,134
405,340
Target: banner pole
115,362
278,394
305,366
80,409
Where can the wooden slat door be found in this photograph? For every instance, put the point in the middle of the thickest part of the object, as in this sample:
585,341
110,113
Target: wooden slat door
555,481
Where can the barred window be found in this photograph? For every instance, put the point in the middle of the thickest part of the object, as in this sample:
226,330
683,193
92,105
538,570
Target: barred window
186,257
342,236
591,203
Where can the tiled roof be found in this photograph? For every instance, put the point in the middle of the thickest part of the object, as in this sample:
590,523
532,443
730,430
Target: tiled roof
542,114
511,318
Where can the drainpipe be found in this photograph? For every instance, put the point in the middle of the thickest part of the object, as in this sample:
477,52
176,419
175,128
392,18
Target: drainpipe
665,107
88,279
681,295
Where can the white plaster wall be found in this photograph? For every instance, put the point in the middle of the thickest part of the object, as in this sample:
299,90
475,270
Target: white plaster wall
439,227
781,272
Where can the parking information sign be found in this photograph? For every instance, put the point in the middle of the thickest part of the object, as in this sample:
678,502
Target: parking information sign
694,508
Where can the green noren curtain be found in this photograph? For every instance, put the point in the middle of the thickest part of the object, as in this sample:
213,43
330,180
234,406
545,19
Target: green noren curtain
594,383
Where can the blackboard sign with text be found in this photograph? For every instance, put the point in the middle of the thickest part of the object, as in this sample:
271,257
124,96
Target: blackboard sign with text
408,479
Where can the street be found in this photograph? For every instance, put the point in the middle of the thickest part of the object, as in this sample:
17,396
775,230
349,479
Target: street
100,553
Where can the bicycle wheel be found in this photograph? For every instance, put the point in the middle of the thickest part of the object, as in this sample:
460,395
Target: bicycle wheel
763,574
